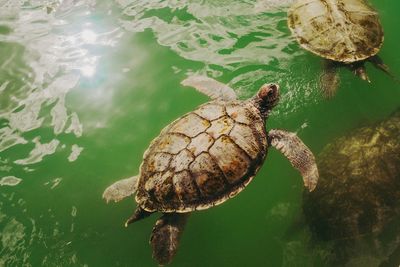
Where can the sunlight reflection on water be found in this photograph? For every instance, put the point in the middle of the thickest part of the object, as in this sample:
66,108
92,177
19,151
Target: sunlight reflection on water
47,48
56,42
53,57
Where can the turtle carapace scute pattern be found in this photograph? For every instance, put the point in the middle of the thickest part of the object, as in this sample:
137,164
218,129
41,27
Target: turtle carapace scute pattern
206,157
339,30
345,33
203,158
355,209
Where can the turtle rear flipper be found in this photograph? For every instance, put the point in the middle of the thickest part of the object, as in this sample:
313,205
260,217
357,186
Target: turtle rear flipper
299,155
166,235
210,87
329,79
121,189
360,71
378,63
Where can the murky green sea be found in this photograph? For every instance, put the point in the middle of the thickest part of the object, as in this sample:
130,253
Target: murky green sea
85,85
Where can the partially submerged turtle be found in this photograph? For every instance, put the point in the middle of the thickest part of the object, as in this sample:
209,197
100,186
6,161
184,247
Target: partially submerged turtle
343,32
356,207
206,157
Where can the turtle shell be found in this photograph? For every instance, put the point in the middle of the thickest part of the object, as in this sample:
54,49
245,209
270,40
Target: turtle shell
203,158
357,201
340,30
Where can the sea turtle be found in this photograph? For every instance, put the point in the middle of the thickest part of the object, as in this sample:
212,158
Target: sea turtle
356,208
343,32
206,157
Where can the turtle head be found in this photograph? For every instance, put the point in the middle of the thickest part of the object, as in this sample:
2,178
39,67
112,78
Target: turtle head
266,98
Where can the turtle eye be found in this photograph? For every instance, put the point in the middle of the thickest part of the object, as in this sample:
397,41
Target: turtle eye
272,89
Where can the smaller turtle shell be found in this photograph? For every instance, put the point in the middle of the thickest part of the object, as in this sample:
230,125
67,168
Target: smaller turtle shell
203,158
340,30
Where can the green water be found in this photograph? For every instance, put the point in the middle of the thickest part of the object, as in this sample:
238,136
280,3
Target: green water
86,85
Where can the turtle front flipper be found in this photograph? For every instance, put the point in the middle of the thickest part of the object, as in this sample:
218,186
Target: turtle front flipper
329,79
210,87
121,189
299,155
166,235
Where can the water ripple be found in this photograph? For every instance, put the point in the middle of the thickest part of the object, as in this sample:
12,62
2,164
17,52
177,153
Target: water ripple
48,49
10,181
226,33
76,151
39,152
248,39
24,240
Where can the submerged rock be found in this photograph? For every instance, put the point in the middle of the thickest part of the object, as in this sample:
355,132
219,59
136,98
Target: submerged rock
356,205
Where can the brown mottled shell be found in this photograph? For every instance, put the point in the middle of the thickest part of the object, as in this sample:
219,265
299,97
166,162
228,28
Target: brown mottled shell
203,158
340,30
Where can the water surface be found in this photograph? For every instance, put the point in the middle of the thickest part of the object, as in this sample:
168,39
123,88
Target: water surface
85,85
